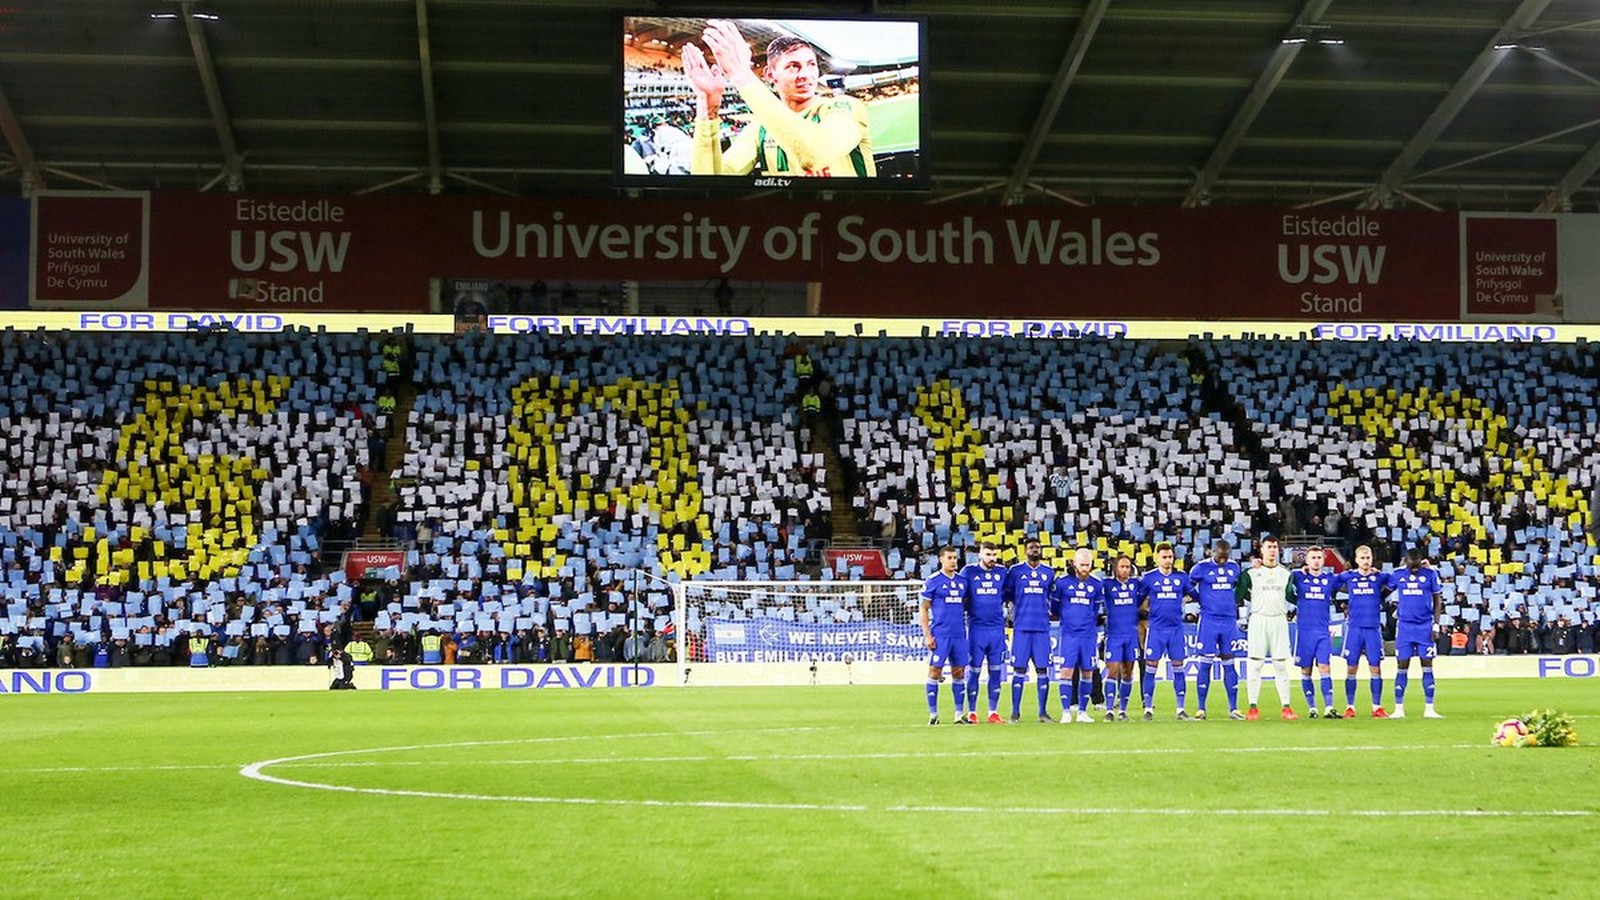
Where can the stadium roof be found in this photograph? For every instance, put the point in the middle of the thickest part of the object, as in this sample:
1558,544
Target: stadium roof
1479,104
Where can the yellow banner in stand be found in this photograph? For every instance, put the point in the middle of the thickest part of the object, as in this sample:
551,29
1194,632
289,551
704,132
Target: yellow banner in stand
799,326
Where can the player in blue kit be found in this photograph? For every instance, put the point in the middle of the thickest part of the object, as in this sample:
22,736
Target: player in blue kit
1164,590
1078,601
1364,587
1314,588
1122,594
1029,587
1416,588
986,628
1212,582
944,629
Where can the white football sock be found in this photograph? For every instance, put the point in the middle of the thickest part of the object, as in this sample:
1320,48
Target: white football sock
1281,668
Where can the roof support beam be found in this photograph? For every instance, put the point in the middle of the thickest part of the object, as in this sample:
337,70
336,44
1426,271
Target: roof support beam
232,163
1056,195
984,188
481,185
1500,151
1093,14
1576,177
430,112
85,179
1520,20
21,152
392,182
1559,198
1277,66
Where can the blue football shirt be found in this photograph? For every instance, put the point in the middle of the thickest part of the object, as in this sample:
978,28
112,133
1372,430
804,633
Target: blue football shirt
1122,606
985,600
1314,596
1165,594
1365,597
1029,588
1079,601
947,604
1213,585
1415,592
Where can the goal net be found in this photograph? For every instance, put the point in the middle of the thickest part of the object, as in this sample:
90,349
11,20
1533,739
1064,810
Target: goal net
757,632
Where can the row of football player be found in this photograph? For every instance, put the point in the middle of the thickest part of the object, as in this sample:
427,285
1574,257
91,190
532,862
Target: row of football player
963,618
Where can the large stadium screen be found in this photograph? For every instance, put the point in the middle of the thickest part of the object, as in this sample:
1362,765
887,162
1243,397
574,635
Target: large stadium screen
820,104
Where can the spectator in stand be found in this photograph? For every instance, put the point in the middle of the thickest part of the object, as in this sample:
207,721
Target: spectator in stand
1333,525
506,647
28,654
405,647
233,651
1486,641
308,649
1559,638
636,648
282,649
381,642
471,649
1531,641
64,652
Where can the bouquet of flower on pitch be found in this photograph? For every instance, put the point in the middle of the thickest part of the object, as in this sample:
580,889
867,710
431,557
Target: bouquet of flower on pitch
1539,728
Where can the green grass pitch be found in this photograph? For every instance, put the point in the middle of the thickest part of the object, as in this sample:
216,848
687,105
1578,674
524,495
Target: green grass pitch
894,124
823,791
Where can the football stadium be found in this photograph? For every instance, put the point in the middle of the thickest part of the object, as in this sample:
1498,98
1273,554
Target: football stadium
1176,438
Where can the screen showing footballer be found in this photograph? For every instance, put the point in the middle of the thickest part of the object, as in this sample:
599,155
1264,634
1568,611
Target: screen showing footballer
796,103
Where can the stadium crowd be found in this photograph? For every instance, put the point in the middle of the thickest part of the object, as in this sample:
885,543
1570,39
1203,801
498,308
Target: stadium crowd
552,487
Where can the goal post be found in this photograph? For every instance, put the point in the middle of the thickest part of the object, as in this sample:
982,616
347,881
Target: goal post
799,632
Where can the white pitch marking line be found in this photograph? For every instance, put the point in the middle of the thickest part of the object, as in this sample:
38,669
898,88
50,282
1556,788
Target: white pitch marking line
909,754
1313,813
554,739
601,760
254,771
125,768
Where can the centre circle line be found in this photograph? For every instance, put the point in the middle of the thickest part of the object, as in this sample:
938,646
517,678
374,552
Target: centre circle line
255,771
